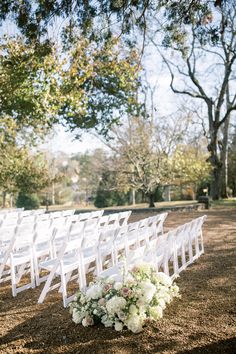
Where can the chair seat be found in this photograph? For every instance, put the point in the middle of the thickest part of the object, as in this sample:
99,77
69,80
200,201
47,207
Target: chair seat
113,272
89,254
69,262
18,258
42,249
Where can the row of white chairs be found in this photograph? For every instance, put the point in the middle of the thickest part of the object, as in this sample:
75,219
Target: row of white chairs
80,249
16,216
32,216
171,252
36,238
28,244
10,210
85,253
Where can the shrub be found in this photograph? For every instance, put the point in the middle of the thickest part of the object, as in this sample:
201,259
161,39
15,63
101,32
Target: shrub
28,201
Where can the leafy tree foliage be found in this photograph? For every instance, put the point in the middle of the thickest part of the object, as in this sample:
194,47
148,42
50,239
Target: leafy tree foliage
89,88
19,170
99,84
33,17
27,201
28,85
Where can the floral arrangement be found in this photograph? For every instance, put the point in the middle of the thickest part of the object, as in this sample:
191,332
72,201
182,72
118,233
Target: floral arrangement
141,296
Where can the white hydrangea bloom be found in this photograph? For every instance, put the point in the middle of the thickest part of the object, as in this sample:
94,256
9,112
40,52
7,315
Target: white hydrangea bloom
76,316
135,323
115,304
148,290
87,321
133,309
156,312
94,292
164,279
118,326
117,286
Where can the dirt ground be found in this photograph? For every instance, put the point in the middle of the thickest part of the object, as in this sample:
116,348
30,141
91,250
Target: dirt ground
202,321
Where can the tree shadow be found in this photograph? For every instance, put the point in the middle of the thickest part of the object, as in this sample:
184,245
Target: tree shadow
227,346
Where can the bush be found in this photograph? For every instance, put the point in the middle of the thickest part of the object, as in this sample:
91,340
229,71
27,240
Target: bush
27,201
110,198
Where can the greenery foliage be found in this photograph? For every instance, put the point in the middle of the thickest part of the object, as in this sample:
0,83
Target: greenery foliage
27,201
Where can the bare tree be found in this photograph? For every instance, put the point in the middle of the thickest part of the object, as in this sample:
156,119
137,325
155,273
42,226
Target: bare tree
207,67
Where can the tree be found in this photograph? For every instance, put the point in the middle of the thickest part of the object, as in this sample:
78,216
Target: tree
89,88
99,85
189,166
28,86
96,18
19,170
199,48
142,150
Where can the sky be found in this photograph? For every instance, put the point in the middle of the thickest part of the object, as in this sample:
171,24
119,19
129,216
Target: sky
65,141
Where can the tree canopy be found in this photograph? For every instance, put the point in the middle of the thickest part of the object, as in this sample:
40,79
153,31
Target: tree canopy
33,17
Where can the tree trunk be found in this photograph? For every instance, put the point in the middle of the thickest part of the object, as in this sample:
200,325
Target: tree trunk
133,197
11,200
167,196
4,194
53,193
234,189
216,174
151,200
215,186
224,151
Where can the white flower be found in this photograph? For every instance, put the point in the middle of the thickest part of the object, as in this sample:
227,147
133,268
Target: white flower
175,290
118,326
109,280
106,321
121,315
135,323
87,321
133,309
76,316
142,267
164,279
162,303
115,304
94,292
148,290
141,301
156,312
117,286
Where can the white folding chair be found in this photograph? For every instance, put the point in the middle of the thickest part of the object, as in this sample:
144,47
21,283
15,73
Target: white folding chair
120,243
38,212
43,246
157,222
63,266
68,212
18,257
123,217
106,247
55,214
89,254
7,239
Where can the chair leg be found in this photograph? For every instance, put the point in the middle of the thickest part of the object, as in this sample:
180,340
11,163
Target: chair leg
46,288
13,280
32,273
64,290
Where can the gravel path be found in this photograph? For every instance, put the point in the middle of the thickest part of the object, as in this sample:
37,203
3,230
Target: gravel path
202,321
